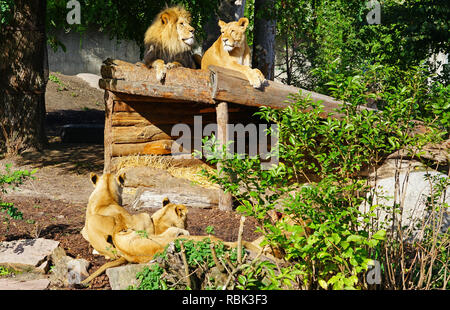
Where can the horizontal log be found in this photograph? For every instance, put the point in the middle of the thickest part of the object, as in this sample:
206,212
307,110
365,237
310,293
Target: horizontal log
145,119
162,147
162,107
142,106
121,70
182,93
188,85
208,87
232,86
133,134
180,84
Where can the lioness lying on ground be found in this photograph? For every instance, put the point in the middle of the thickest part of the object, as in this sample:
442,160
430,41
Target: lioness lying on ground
133,247
232,51
105,205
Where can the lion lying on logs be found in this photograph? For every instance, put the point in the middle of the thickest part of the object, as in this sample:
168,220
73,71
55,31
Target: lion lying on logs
169,41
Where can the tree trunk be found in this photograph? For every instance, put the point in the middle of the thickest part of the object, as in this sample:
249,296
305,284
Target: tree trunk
23,77
228,11
264,38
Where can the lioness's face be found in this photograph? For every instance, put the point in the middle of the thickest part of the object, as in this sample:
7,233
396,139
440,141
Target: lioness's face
185,31
233,33
109,182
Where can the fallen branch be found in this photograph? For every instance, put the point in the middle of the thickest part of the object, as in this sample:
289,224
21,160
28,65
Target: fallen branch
239,242
186,266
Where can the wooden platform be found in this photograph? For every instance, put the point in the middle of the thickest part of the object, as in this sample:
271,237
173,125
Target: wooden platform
141,112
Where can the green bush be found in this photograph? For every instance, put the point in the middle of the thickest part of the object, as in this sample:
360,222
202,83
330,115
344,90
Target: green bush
12,179
319,182
199,260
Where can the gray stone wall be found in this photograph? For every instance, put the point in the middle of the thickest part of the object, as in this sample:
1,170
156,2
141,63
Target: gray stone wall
85,53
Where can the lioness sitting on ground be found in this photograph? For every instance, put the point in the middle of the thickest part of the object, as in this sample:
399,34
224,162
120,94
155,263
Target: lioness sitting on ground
105,204
232,51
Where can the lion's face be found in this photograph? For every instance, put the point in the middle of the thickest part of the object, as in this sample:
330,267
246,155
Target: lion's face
170,215
185,31
233,33
112,184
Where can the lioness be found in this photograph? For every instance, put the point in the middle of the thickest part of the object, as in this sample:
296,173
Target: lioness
105,204
168,222
232,51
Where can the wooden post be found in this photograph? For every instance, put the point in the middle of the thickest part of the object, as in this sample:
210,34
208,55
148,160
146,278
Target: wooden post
109,106
225,199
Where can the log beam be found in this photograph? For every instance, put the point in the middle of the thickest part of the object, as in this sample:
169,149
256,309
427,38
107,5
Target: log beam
232,86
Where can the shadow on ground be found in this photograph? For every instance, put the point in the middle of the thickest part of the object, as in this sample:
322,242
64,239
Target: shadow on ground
70,158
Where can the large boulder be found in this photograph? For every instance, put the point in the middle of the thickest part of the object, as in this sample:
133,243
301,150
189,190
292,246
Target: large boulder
153,185
27,254
414,190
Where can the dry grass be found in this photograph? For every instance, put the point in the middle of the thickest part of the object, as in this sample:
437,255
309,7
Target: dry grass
191,173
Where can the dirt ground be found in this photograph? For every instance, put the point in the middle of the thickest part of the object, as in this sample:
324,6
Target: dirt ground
54,202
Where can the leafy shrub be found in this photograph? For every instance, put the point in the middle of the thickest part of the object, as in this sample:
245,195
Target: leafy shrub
319,185
12,179
199,257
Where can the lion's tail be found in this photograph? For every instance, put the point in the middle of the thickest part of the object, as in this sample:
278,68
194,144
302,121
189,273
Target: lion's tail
100,270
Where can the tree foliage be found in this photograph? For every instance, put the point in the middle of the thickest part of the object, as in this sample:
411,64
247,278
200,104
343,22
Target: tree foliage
315,32
125,19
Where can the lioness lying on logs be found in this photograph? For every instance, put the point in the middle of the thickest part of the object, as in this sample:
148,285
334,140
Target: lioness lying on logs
231,51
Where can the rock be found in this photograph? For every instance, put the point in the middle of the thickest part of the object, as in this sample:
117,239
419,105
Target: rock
415,191
77,271
159,184
91,79
66,270
433,152
120,278
27,254
434,155
391,165
13,284
152,199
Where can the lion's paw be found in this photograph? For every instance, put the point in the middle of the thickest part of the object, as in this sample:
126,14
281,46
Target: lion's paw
260,77
172,65
255,81
175,232
161,73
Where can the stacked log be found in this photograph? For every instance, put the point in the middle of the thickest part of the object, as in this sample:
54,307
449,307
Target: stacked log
141,111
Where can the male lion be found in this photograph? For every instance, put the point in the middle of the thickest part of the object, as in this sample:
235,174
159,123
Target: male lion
232,51
169,40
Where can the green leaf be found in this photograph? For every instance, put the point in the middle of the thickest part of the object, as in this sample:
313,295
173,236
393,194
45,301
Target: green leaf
322,255
380,235
323,284
354,238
